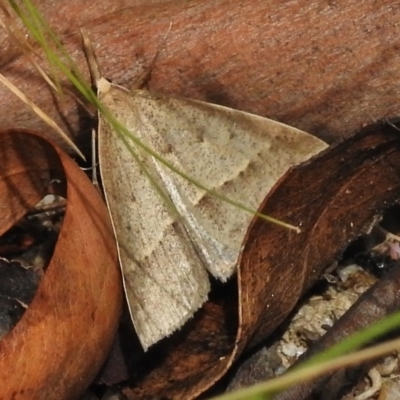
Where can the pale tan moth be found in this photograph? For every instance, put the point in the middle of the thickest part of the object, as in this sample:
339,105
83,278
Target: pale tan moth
165,258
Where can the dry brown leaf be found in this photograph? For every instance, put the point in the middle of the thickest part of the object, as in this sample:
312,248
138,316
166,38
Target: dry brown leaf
336,197
59,344
307,64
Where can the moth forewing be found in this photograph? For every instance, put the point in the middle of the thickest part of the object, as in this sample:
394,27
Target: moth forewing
164,257
165,281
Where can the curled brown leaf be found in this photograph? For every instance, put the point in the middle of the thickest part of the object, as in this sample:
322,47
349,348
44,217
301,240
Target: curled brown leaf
62,339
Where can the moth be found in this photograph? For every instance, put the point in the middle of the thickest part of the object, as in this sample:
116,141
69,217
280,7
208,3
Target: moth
167,252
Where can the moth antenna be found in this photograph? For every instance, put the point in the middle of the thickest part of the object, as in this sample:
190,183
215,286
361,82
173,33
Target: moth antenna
95,76
94,68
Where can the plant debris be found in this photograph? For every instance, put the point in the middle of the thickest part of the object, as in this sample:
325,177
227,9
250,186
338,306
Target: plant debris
25,251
